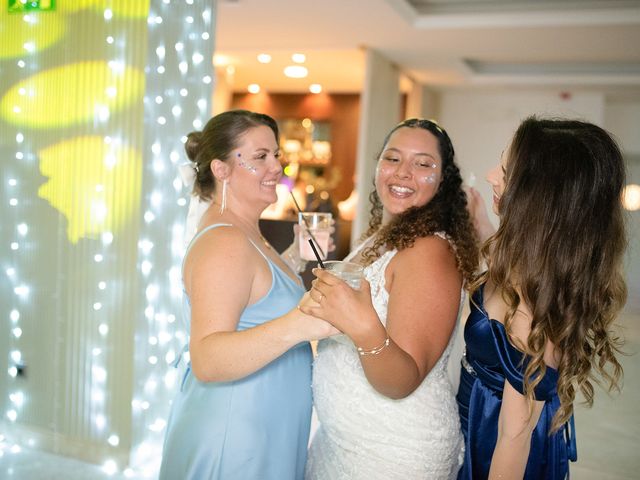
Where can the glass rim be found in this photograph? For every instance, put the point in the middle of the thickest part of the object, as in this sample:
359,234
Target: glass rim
319,214
343,262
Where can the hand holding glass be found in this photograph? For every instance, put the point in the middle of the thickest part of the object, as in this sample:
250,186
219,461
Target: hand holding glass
317,226
351,273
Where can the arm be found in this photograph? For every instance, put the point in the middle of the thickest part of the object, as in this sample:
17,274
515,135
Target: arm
515,426
223,274
291,255
479,215
424,296
517,419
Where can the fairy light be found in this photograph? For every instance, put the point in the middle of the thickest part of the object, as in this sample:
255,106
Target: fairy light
181,54
179,51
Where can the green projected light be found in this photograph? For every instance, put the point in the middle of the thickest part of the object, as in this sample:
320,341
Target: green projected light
22,6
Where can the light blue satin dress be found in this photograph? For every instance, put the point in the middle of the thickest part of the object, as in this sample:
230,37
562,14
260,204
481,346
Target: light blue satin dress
253,428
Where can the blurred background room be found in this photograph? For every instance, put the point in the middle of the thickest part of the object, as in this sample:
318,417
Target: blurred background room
96,97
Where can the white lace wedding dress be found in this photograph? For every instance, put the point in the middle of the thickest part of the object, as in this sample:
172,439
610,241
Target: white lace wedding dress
365,435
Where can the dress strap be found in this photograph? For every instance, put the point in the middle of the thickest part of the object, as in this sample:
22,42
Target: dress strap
204,230
197,236
356,250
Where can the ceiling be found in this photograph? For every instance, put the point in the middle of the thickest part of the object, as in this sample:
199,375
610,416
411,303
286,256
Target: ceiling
440,43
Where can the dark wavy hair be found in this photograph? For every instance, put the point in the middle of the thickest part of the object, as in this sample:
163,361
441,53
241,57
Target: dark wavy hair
219,137
445,212
561,243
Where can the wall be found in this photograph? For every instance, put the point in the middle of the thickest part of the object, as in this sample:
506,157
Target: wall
622,117
481,124
340,110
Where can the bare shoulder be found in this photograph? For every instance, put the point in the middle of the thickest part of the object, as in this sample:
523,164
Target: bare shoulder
219,246
429,258
521,329
434,248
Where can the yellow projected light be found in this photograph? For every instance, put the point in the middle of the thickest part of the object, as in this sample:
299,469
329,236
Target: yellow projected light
127,8
22,35
95,185
120,8
93,90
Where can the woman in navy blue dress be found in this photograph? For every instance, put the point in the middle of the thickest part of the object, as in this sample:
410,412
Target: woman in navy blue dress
541,315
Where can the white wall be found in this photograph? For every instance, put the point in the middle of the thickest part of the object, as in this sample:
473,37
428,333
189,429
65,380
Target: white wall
481,124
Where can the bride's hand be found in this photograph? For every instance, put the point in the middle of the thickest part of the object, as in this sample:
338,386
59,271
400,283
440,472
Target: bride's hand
315,328
347,309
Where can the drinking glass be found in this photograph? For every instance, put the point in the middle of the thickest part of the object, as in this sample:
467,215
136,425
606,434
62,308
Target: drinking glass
317,226
350,272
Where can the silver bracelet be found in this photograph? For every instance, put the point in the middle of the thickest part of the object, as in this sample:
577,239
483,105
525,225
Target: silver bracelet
374,351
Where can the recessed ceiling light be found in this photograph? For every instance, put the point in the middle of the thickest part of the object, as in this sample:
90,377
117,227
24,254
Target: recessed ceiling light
264,58
253,88
298,57
315,88
296,71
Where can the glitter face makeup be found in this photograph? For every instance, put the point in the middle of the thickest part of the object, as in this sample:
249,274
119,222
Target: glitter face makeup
245,165
431,178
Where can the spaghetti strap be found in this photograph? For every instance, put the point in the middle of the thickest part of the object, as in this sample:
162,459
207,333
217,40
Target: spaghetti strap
197,236
204,230
211,227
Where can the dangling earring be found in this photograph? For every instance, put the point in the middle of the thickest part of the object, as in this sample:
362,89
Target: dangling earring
223,204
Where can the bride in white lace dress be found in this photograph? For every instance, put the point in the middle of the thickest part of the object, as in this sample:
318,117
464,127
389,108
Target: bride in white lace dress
386,407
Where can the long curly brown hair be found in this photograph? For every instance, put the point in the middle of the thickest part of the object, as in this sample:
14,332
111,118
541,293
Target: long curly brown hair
446,212
560,244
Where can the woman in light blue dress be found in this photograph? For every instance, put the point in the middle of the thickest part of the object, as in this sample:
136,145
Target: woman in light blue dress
244,406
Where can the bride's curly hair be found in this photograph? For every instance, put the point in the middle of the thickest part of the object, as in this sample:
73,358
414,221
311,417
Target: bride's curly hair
560,244
446,212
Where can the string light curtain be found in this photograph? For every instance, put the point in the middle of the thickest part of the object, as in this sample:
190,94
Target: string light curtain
95,99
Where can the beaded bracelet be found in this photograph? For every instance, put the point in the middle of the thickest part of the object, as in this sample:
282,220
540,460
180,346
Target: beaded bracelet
373,351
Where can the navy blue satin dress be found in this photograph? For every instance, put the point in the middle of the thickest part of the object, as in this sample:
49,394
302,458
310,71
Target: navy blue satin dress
488,361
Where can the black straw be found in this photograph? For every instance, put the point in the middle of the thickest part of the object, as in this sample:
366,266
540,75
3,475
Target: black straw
304,219
315,252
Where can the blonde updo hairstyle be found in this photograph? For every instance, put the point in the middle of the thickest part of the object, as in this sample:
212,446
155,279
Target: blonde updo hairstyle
220,136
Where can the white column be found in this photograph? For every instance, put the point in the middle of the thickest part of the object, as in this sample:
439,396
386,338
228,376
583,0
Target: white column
379,112
421,102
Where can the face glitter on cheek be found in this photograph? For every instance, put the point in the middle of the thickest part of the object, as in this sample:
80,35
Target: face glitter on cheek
429,178
244,165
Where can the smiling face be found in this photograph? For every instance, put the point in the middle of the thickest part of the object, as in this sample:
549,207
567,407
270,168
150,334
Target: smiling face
497,179
256,167
409,170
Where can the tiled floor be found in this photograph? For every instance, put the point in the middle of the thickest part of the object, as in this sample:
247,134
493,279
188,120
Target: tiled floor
608,435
